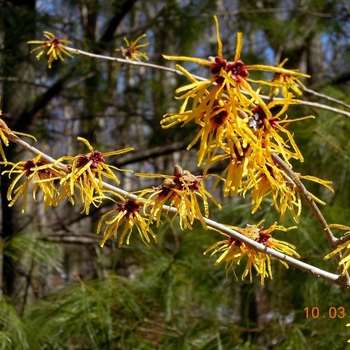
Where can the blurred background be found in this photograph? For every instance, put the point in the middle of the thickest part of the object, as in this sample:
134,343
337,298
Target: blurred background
59,289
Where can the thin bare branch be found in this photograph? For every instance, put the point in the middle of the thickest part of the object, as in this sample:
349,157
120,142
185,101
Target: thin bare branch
305,194
176,71
326,97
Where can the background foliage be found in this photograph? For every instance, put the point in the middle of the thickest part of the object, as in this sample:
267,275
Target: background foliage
60,290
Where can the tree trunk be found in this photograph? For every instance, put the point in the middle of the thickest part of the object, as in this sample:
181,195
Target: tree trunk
19,26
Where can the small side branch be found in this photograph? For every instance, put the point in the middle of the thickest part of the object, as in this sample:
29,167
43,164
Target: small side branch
332,241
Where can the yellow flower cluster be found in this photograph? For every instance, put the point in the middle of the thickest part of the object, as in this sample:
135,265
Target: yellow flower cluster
42,176
57,181
181,191
86,173
233,251
238,128
81,179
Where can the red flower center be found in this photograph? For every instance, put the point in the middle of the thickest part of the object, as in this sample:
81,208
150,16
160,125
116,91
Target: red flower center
218,65
220,118
29,164
130,206
234,241
237,70
258,118
263,238
56,42
95,157
28,167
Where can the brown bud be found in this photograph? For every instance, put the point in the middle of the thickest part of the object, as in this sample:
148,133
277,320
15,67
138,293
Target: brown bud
188,176
169,183
178,170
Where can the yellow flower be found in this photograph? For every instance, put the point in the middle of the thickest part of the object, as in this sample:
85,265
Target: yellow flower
237,70
198,90
89,192
233,250
246,144
269,179
42,176
285,81
267,128
222,127
86,172
3,134
131,52
203,101
182,190
229,76
54,47
126,213
247,134
272,180
322,182
238,168
345,247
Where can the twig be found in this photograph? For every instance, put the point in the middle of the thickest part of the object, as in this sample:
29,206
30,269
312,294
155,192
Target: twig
325,107
332,241
71,239
133,63
176,71
305,194
311,104
327,276
326,97
343,239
